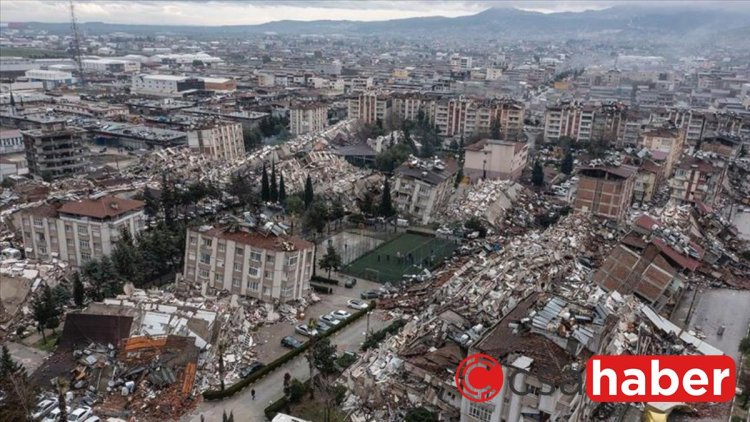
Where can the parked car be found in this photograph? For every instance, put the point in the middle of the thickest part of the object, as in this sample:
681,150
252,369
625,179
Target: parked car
80,414
357,304
351,282
306,331
370,294
251,369
93,419
341,315
54,415
291,342
329,319
44,408
322,326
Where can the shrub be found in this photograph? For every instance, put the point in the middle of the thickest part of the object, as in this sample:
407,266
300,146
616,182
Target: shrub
324,280
321,289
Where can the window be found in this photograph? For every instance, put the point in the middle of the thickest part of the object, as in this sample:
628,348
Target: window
203,273
85,257
239,251
82,229
193,240
42,250
253,285
207,242
84,244
480,412
255,256
222,247
270,257
219,277
238,266
68,228
266,290
95,231
205,258
253,271
292,260
37,221
267,274
236,282
40,236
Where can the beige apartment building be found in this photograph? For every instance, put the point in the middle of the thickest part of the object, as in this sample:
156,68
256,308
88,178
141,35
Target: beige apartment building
249,263
369,106
307,117
495,159
218,139
419,187
665,145
78,231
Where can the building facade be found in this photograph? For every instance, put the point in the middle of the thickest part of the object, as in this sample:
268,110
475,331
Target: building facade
605,191
255,264
218,139
664,142
308,117
369,107
418,187
54,152
78,231
698,179
11,141
495,159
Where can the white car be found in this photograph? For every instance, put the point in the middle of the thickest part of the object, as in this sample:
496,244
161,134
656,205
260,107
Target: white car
341,315
93,419
44,408
357,304
54,415
80,414
306,331
330,320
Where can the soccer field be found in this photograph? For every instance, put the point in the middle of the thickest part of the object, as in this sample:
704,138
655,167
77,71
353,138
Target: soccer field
406,254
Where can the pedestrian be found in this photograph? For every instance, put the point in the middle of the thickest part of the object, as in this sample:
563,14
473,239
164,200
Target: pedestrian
252,393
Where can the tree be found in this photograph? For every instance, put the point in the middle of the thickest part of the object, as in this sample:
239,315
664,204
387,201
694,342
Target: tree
324,356
274,187
475,225
221,365
309,194
287,385
7,365
127,259
459,177
79,295
265,190
20,394
61,295
239,187
152,203
495,129
104,279
294,205
44,309
745,346
282,189
316,216
386,207
537,175
420,414
567,163
331,260
61,386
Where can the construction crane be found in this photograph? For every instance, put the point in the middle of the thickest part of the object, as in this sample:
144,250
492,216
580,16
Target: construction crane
76,44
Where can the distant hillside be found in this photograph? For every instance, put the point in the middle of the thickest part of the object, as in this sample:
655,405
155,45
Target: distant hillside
631,22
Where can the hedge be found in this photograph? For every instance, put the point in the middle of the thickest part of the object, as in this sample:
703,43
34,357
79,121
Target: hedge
321,289
380,335
241,384
319,279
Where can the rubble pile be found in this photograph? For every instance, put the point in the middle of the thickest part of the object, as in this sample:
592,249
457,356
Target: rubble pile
493,201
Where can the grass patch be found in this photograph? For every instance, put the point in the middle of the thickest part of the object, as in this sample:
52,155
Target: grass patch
404,254
49,345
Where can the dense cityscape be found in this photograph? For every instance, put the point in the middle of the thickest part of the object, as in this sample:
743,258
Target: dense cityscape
322,220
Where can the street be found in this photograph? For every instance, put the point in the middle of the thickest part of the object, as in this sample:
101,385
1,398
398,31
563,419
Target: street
269,389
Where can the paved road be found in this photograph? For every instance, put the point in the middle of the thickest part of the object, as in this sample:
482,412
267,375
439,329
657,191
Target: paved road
269,389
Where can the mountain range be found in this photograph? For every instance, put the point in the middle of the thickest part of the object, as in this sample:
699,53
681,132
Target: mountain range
677,22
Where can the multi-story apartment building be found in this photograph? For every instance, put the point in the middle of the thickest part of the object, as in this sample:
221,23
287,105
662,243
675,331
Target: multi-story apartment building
11,141
605,191
665,145
218,139
369,107
307,117
78,231
54,151
647,182
251,263
569,120
495,159
419,186
698,179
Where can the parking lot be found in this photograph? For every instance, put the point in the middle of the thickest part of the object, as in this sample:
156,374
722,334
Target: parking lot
268,338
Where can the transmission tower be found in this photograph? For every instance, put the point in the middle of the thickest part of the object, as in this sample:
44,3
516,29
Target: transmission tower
76,44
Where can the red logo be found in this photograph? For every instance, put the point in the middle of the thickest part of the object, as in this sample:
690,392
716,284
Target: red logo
479,377
660,378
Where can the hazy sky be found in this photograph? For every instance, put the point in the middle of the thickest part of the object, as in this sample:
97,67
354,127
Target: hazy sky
227,12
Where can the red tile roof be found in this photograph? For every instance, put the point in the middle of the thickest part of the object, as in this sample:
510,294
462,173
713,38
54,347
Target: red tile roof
256,239
105,207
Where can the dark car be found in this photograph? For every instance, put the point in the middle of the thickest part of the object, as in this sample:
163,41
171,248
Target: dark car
291,342
251,369
322,326
370,294
351,282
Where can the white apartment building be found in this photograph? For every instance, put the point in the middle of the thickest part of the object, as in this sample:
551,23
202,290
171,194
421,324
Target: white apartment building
495,159
78,231
11,141
368,107
309,117
165,85
419,186
250,263
220,139
569,120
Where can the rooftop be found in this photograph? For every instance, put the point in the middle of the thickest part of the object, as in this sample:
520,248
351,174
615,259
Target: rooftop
105,207
256,239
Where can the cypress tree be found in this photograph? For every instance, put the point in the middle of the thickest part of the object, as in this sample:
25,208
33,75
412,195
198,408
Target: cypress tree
265,193
309,194
274,188
537,175
386,207
78,293
282,189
